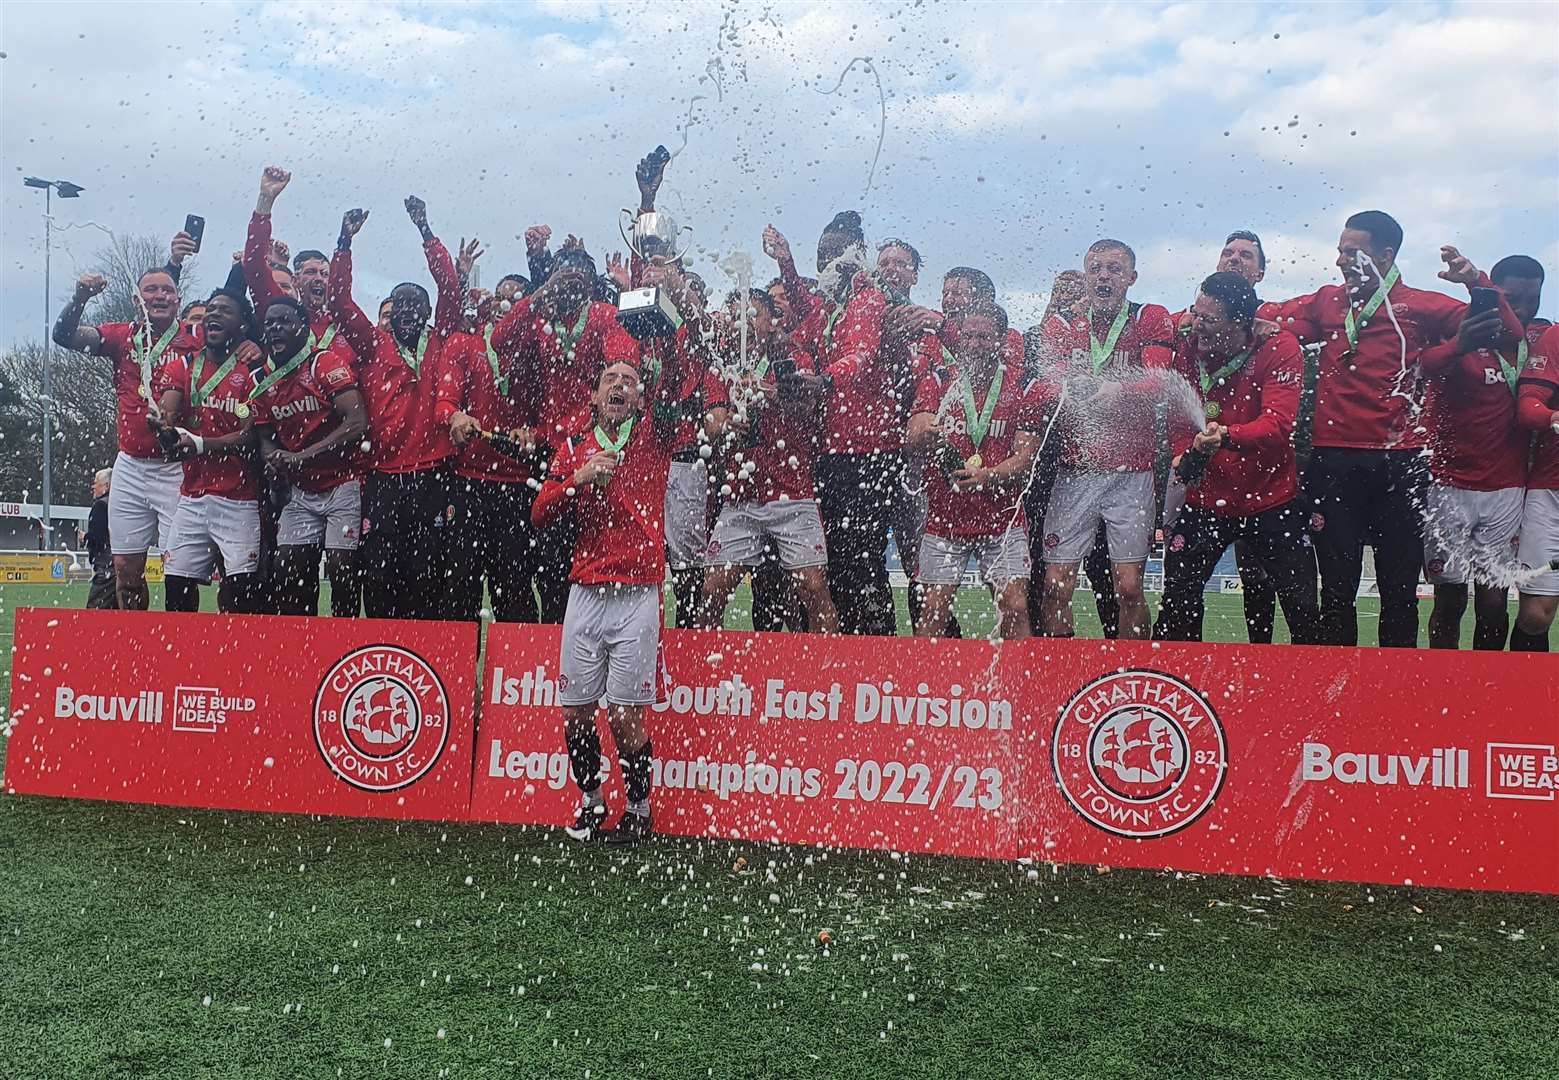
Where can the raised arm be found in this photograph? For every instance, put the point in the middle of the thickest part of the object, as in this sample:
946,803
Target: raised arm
68,331
776,247
257,244
446,314
859,333
356,327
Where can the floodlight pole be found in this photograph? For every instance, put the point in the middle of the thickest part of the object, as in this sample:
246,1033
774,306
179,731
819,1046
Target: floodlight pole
67,190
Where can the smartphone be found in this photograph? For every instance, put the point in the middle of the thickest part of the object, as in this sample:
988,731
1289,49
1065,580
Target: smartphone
195,225
1483,300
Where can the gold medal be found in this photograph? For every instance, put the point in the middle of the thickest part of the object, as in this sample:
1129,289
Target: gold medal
242,411
973,461
1213,410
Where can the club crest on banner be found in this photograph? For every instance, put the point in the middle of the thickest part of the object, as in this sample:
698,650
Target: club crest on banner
381,718
1139,754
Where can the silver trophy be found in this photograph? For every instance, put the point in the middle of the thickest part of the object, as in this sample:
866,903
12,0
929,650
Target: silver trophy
649,312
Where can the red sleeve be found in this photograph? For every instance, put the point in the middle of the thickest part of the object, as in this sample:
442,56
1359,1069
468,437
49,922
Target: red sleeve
510,329
453,375
1039,404
1299,317
1156,336
858,334
114,340
257,263
928,394
552,499
1052,344
335,372
617,345
802,302
171,375
1440,359
1534,411
1013,351
446,316
356,327
1282,371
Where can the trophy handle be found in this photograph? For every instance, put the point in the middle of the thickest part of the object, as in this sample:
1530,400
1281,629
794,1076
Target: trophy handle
683,250
628,216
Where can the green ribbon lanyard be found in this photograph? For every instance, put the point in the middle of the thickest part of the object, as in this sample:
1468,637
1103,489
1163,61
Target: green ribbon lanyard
501,381
828,328
1217,378
149,357
1102,353
1513,374
615,445
200,391
324,342
978,423
415,363
1351,327
566,343
278,374
761,368
947,354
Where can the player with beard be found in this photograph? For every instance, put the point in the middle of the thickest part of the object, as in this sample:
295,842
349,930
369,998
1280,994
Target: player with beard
403,553
145,492
1249,490
861,374
205,420
311,419
311,269
1537,411
980,456
1368,476
1104,353
554,340
613,479
766,442
1478,455
1241,254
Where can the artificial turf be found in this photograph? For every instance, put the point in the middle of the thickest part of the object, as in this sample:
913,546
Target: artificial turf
163,942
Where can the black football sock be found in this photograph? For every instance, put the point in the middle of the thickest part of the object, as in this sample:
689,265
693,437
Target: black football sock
636,778
584,760
1522,641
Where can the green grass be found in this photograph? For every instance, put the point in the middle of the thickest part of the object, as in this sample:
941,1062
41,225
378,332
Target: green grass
150,942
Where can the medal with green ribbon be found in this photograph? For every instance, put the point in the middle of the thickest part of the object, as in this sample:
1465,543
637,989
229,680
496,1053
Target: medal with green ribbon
324,342
200,392
1103,352
1513,372
501,381
1211,408
614,445
828,327
414,362
977,423
567,338
1351,327
148,357
278,374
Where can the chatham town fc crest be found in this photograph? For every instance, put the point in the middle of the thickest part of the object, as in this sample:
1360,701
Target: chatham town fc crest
381,718
1139,754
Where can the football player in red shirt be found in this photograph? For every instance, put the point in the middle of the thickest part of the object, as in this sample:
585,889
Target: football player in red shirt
766,443
1479,458
403,554
311,269
613,479
1537,411
145,492
1103,353
311,419
1368,475
554,341
979,426
205,420
1249,490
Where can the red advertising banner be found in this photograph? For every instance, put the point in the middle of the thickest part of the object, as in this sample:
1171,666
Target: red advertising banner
321,716
1397,766
859,742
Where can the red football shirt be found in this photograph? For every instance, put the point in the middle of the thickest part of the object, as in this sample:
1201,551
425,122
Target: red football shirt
1254,470
1538,406
1370,398
1127,442
299,409
873,379
121,344
961,515
404,434
1473,436
472,388
783,446
232,474
559,362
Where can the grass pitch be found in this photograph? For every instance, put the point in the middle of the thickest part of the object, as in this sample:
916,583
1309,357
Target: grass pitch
150,942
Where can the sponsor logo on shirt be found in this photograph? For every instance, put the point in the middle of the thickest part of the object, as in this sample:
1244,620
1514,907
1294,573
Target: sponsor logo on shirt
297,407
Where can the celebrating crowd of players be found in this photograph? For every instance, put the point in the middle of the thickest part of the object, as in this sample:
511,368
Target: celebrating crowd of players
522,445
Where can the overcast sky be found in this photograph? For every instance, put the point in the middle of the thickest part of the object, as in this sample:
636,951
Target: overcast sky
1015,134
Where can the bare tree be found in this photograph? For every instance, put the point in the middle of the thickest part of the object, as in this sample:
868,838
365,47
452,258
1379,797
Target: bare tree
84,414
122,262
